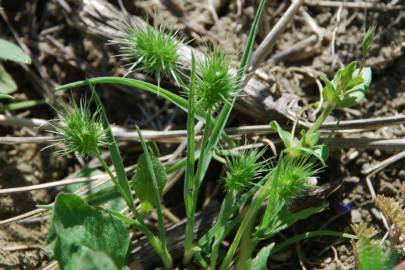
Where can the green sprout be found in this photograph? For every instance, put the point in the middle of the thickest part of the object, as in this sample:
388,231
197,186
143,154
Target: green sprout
81,131
152,50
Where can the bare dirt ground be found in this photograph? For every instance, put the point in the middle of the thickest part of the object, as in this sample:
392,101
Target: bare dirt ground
320,39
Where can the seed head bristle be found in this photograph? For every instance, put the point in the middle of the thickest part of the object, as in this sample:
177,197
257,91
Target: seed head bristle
243,169
81,131
290,176
151,50
216,83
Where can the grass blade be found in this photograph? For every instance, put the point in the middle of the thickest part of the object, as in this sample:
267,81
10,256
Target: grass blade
156,192
145,86
121,179
308,235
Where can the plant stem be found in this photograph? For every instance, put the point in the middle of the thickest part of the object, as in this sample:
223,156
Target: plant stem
325,113
247,221
189,233
149,164
226,209
156,244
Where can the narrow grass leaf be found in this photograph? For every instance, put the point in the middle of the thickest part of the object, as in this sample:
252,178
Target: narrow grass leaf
308,235
155,186
121,179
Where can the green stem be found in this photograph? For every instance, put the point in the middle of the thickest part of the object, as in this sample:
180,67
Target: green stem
221,221
325,113
189,233
245,226
149,164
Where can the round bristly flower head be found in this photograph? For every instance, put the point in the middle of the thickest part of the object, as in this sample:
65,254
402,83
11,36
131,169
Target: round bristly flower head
216,83
243,169
291,175
81,131
152,50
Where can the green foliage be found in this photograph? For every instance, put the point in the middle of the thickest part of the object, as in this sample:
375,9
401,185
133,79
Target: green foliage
91,260
151,50
10,51
242,169
82,131
80,228
215,83
4,96
368,40
307,145
260,261
7,84
372,253
284,219
143,184
348,87
211,91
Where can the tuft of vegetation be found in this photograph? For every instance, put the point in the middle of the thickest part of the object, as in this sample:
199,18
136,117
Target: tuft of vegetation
250,186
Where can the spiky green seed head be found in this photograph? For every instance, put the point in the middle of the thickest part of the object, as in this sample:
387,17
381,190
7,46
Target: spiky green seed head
216,83
291,176
243,169
151,50
81,131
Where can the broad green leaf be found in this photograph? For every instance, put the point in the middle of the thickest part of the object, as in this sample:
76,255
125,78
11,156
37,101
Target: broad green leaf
7,84
357,93
321,152
91,260
345,75
260,261
10,51
142,181
79,227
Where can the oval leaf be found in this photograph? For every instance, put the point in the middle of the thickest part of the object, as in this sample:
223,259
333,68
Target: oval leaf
7,84
79,227
10,51
142,182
